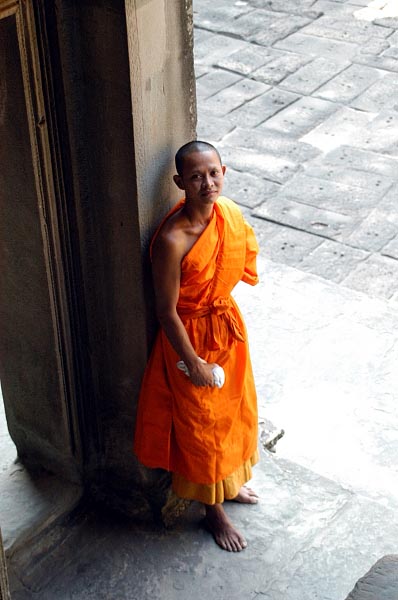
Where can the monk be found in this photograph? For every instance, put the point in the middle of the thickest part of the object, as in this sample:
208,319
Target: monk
204,434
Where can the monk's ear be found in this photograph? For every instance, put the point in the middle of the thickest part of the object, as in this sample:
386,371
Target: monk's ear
223,168
179,182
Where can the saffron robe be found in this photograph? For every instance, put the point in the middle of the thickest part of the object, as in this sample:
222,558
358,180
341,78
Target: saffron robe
204,433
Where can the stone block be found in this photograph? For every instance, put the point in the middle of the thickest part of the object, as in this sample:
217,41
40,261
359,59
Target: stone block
272,142
254,22
331,195
357,177
381,134
376,276
362,160
300,117
311,76
364,57
344,127
247,59
234,96
391,249
346,30
262,164
218,17
289,246
246,189
379,583
374,233
214,82
279,68
259,109
210,127
316,46
209,47
381,95
326,223
332,260
332,8
390,22
291,7
279,30
348,84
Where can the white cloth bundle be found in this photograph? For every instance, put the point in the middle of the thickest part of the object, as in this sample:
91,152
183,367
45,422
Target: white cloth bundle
218,372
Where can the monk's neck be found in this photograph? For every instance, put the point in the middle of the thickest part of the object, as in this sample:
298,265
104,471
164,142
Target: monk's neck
199,215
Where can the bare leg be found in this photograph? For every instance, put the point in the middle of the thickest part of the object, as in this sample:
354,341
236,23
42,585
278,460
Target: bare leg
224,533
246,496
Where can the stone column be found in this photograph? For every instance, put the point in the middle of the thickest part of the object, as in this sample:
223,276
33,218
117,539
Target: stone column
100,96
4,590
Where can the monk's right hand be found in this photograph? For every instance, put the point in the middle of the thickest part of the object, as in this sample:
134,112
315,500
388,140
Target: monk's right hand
201,374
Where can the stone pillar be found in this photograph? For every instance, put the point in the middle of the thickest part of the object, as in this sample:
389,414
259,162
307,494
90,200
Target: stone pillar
4,590
109,94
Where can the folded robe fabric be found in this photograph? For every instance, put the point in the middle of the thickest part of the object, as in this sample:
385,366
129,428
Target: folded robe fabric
204,433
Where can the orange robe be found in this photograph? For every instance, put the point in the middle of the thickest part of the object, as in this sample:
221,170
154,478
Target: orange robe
204,434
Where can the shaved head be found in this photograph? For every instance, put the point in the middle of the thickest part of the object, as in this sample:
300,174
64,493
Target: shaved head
190,148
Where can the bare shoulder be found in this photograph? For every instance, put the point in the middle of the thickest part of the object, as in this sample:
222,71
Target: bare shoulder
171,241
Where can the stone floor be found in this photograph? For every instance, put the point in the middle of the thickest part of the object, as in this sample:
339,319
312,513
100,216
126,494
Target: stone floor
300,96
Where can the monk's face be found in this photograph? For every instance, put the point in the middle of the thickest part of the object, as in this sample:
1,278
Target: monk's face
202,177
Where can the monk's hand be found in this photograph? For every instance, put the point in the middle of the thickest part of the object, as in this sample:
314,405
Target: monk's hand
201,373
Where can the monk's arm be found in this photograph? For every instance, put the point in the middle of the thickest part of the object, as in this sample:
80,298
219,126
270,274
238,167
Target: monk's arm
166,269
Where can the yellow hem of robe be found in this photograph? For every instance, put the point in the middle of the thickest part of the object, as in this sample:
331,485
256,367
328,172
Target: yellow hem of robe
215,493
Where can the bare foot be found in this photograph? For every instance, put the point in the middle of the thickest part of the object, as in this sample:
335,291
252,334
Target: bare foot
246,496
224,533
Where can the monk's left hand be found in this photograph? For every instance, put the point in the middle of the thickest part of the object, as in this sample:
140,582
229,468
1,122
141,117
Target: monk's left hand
201,374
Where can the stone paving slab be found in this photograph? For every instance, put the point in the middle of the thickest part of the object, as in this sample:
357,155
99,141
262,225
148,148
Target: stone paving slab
257,111
332,195
277,144
213,82
313,75
321,522
318,221
299,117
381,276
348,84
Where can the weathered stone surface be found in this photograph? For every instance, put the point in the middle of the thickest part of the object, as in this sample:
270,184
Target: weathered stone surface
210,47
355,31
278,30
311,76
348,84
332,260
379,583
361,160
377,276
261,108
290,7
279,68
217,17
262,164
315,46
288,246
235,95
331,195
277,144
374,232
315,220
356,177
254,22
391,249
300,116
247,59
246,189
214,82
213,128
344,127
